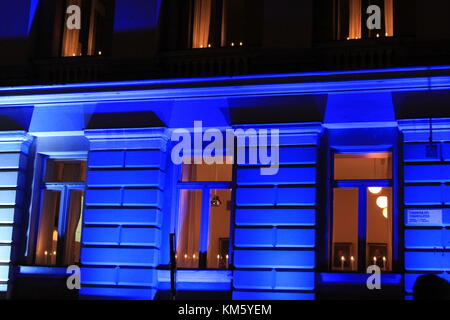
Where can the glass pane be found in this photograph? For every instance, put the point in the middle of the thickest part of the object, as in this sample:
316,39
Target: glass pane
379,227
219,229
188,233
47,244
65,171
363,166
345,230
208,172
74,223
71,44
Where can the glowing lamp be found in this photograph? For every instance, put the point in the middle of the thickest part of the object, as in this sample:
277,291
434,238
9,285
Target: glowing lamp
382,202
385,213
375,190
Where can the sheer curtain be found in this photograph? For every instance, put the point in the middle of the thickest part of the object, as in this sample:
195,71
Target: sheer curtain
389,17
202,22
72,247
71,45
355,19
188,233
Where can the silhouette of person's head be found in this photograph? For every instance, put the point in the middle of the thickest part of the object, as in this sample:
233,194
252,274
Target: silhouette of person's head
431,287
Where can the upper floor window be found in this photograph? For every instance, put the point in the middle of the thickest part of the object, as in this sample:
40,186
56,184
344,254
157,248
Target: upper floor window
90,38
351,19
362,212
217,23
60,222
203,232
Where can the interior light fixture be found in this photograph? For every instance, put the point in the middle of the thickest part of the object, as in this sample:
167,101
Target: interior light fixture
382,202
216,202
385,213
375,190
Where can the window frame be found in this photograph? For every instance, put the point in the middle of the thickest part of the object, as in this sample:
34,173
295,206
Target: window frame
86,37
206,187
65,188
362,186
365,34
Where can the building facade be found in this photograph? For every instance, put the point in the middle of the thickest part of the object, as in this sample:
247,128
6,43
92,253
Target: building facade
106,132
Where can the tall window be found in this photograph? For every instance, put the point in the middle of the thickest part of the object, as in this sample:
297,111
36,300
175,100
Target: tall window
362,212
351,17
89,40
59,234
217,23
203,232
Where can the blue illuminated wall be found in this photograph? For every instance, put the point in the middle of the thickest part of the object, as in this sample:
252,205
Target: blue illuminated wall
427,179
13,167
122,218
275,219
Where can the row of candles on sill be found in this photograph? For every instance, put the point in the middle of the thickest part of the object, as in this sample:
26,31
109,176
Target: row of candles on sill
222,261
377,35
195,257
99,53
374,259
232,44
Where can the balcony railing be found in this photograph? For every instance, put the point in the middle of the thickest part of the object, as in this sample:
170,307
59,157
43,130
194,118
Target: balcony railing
205,62
335,55
70,70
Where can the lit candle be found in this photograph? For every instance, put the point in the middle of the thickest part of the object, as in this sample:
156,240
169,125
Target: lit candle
374,260
384,262
342,262
353,262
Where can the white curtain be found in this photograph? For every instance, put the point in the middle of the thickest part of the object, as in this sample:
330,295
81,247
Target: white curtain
188,231
47,238
355,19
202,22
72,247
389,17
71,45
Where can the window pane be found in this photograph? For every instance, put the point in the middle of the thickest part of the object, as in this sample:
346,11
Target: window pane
345,230
47,245
74,222
219,229
71,44
65,171
207,172
189,228
379,227
363,166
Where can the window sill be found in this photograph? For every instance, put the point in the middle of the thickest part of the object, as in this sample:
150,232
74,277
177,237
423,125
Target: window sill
197,280
357,278
43,270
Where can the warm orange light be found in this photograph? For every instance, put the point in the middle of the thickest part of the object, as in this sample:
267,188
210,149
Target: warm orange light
382,202
375,190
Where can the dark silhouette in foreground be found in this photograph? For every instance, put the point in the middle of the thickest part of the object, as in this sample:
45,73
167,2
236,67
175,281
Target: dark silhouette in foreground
431,287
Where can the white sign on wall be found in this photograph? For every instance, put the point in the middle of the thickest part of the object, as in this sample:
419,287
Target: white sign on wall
424,217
